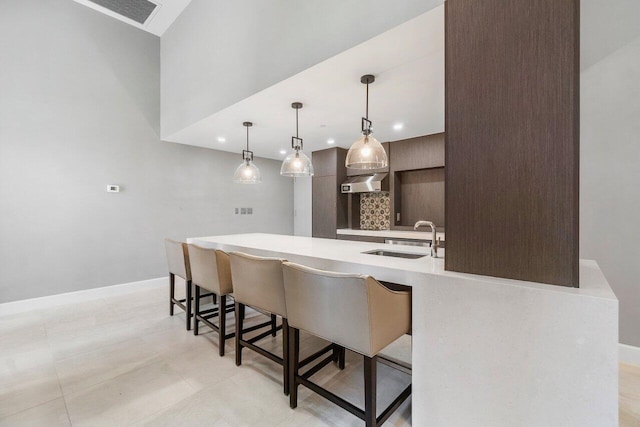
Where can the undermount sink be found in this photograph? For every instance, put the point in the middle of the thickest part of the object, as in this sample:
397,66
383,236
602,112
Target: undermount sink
382,252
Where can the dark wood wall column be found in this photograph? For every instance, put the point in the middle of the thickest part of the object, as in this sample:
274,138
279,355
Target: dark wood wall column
512,138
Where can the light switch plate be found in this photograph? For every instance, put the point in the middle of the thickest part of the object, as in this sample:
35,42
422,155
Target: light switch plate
111,188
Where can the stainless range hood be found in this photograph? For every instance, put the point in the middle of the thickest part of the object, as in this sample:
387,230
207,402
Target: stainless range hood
366,183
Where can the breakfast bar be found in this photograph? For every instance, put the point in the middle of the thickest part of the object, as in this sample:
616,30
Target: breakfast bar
485,350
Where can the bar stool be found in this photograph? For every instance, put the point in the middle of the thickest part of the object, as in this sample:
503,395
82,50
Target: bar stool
353,311
178,261
257,283
210,270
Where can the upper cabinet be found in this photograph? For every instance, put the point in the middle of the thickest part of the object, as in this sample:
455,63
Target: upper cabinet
329,205
423,152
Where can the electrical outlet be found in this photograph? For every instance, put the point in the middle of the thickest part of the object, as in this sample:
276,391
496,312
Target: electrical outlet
237,211
249,211
243,211
112,188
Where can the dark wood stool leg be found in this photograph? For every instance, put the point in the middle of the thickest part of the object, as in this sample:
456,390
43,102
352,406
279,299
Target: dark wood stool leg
239,318
215,299
196,311
273,325
370,378
187,303
341,358
285,355
172,292
222,316
294,355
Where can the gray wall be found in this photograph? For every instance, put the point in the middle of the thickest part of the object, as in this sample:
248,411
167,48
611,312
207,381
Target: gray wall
79,109
610,151
219,52
302,206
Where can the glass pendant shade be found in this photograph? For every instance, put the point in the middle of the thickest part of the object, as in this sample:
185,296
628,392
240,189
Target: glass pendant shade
247,173
296,165
367,153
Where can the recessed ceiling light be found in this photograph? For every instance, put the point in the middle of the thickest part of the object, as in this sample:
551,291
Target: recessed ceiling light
331,141
222,139
398,126
283,151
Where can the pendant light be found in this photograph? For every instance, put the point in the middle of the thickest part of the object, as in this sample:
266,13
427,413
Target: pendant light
247,172
296,164
367,152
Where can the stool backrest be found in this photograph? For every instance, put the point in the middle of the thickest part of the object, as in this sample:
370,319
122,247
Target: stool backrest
178,258
354,311
257,282
210,269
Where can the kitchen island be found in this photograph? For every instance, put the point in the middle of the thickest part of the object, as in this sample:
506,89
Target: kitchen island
486,351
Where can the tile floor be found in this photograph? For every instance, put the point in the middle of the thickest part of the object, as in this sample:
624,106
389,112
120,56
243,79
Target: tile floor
124,361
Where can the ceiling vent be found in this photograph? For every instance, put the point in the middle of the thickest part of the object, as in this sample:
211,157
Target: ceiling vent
136,10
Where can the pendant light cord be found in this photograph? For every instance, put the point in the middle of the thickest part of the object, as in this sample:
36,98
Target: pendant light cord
247,138
367,106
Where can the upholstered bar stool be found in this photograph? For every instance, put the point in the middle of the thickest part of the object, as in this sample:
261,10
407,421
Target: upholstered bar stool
178,261
258,283
210,270
353,311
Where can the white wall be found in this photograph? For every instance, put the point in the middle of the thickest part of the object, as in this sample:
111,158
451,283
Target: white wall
79,109
302,207
219,52
610,151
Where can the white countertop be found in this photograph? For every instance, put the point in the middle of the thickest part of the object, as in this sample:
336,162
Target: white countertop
390,234
349,256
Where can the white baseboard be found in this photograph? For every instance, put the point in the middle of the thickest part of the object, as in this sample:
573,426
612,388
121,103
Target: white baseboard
629,354
15,307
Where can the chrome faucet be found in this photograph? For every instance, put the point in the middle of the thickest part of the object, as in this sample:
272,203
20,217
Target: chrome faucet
434,242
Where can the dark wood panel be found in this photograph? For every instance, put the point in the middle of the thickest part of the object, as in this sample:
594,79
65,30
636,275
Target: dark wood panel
324,199
371,239
324,162
512,142
342,211
353,215
417,153
329,207
420,195
352,172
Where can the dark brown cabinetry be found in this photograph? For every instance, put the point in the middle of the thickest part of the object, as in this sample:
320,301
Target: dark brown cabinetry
370,239
417,181
329,205
422,152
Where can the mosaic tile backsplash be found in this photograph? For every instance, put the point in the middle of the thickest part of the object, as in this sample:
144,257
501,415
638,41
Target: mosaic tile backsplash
375,211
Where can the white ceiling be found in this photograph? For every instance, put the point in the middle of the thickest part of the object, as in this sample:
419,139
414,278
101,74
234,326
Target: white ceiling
161,18
408,62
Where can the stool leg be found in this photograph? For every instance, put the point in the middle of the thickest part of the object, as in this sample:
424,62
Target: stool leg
215,299
285,355
341,358
222,315
187,303
294,355
239,318
370,378
172,292
273,325
196,311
